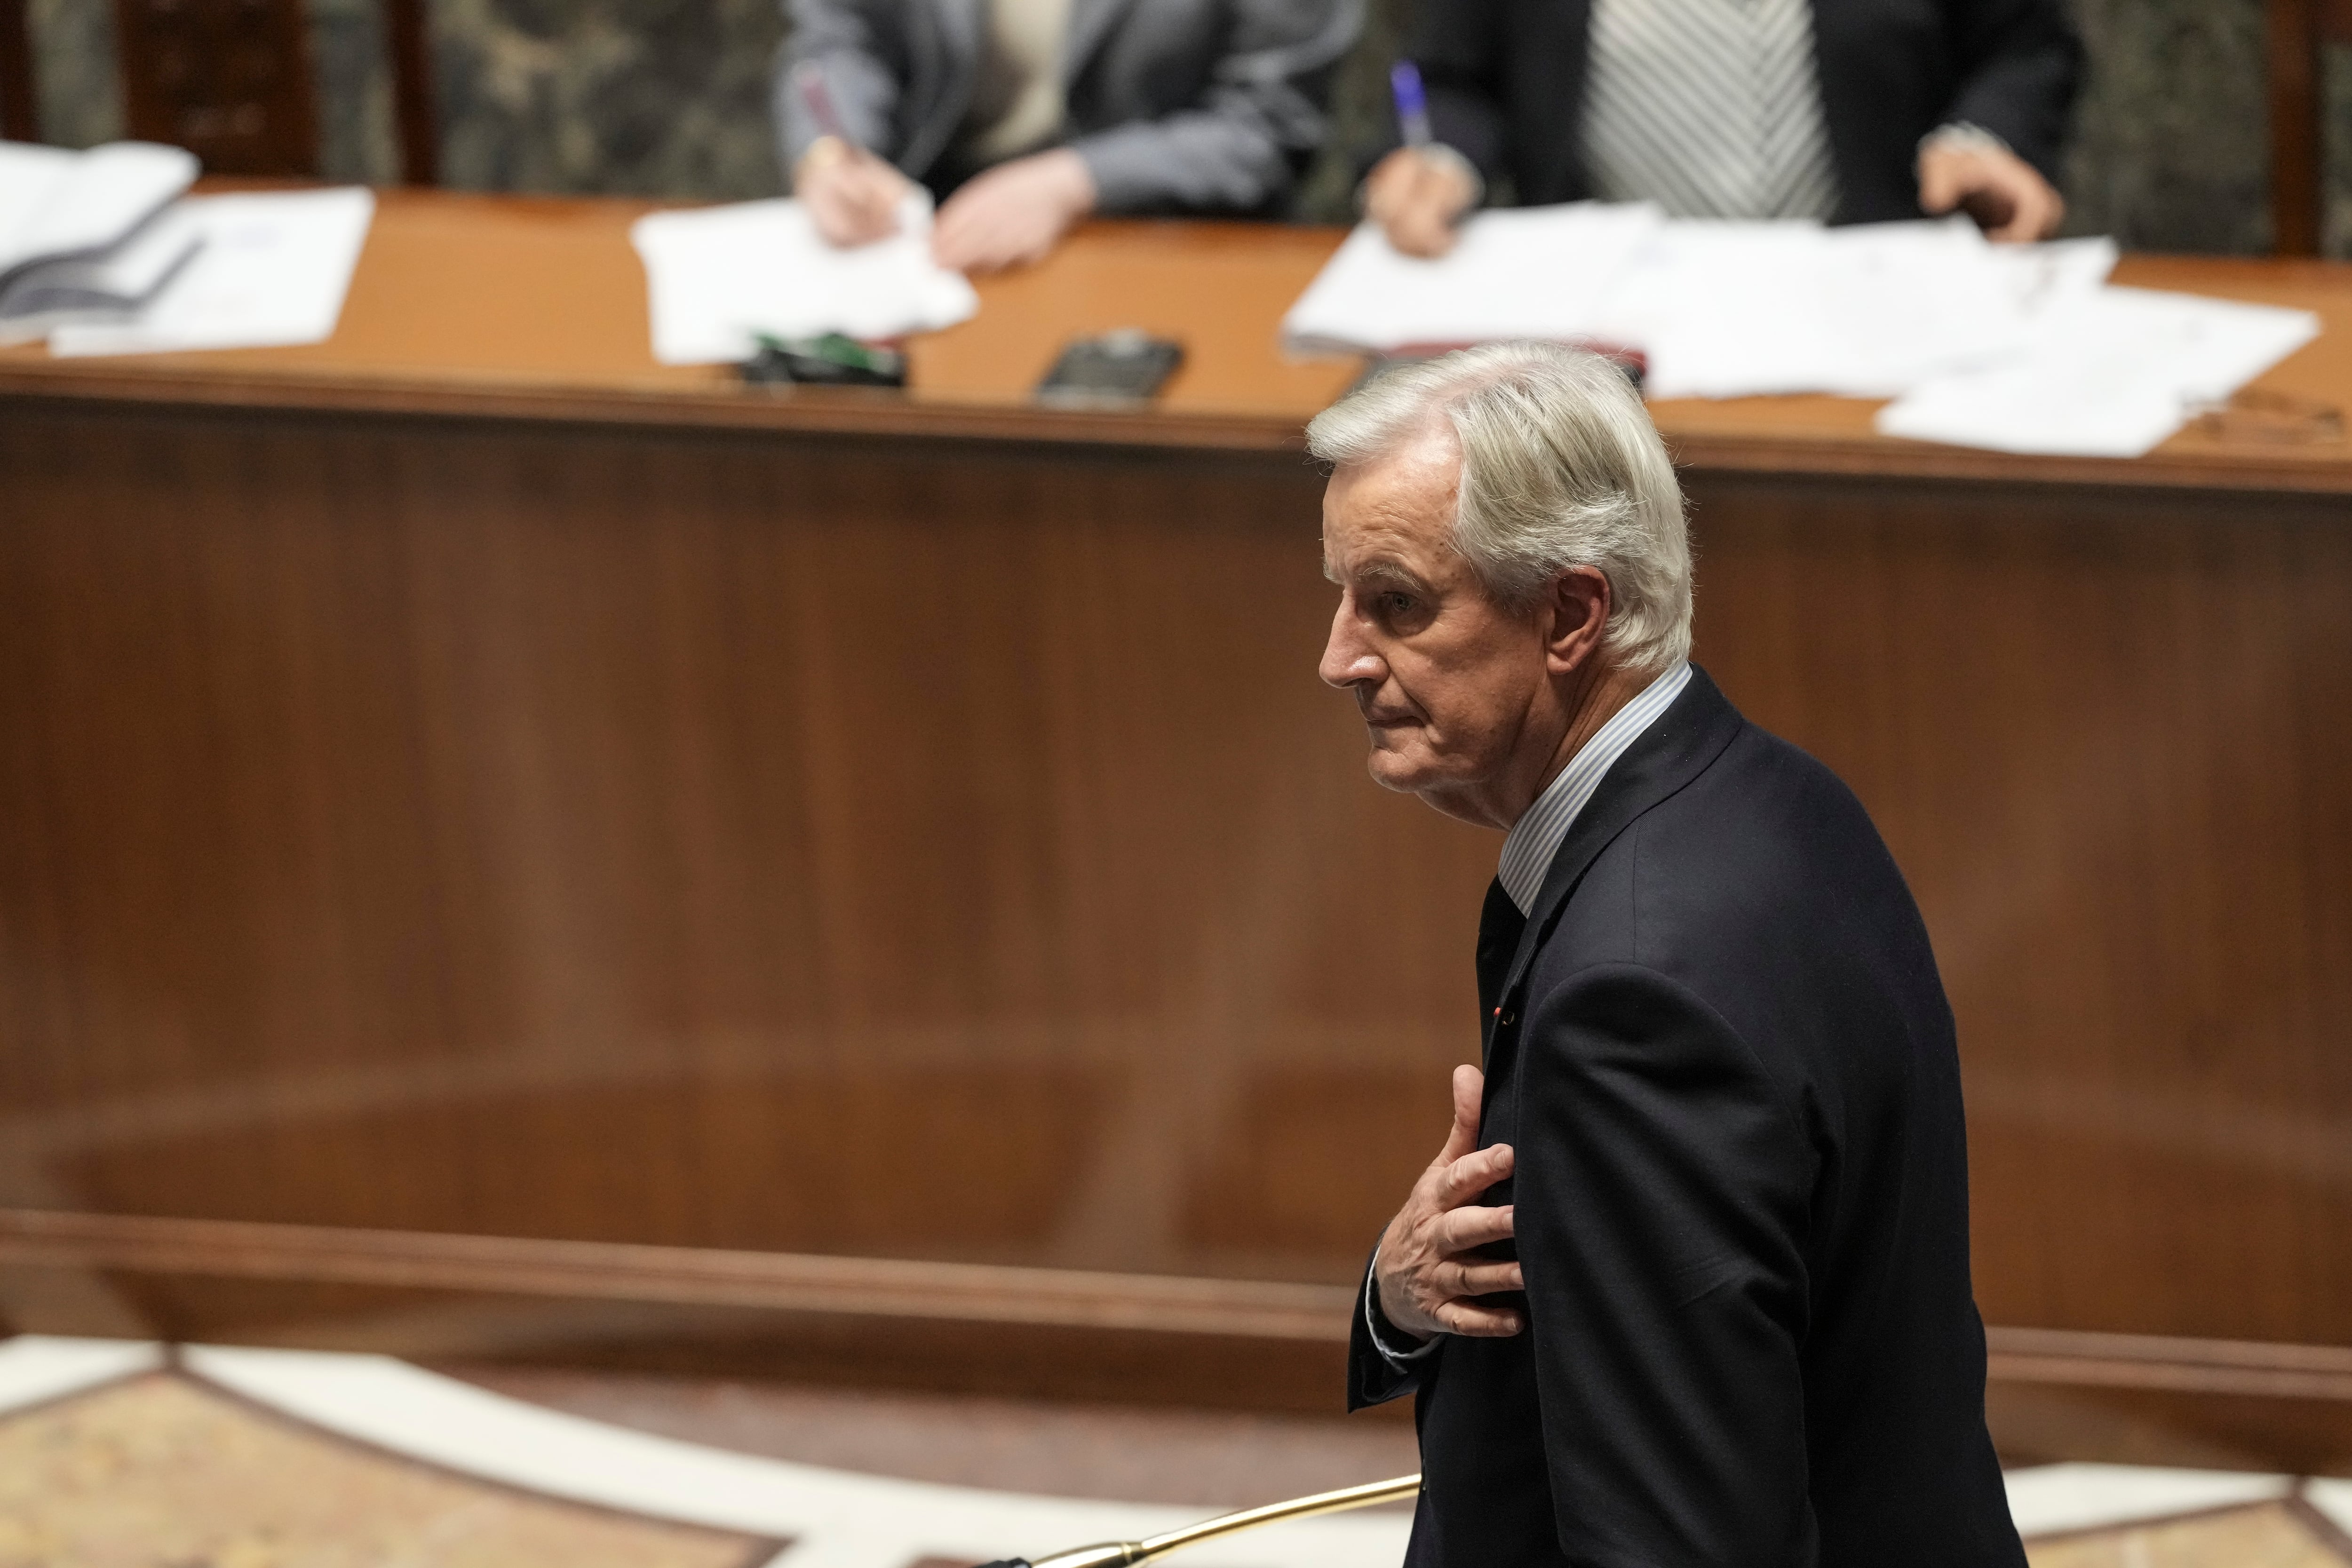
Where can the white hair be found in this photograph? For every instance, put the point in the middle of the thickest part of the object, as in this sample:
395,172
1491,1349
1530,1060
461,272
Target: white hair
1561,468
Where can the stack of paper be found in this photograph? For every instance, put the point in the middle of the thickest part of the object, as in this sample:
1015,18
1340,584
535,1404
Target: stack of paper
1522,272
1929,313
717,278
270,269
2110,374
78,236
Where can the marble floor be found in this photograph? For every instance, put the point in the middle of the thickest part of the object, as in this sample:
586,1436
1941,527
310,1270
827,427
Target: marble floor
119,1455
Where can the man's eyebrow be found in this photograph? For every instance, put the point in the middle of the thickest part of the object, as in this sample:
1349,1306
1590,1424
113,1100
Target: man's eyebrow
1392,573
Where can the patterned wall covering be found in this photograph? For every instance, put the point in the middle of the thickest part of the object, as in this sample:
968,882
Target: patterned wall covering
668,97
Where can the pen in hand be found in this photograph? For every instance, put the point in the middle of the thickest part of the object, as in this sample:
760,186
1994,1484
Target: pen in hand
851,195
1418,192
1411,103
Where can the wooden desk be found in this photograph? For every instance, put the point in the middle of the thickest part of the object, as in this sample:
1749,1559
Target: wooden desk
507,848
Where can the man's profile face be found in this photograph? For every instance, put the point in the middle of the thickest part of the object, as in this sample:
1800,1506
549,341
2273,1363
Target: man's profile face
1444,677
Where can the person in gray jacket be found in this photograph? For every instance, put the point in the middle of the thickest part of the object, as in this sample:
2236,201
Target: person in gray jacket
1026,115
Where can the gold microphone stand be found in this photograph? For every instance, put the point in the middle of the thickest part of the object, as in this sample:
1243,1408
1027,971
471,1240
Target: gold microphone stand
1121,1554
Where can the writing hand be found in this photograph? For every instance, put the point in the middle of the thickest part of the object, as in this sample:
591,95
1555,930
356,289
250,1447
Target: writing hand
1417,196
853,196
2005,194
1427,1272
1013,214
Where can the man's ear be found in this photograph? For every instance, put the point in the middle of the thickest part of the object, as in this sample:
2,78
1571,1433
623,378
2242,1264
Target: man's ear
1577,611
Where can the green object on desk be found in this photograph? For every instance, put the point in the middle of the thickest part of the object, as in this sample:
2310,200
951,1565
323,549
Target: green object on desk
831,360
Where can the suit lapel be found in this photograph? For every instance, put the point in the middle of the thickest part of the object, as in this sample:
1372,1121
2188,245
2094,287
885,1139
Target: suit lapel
1673,751
1500,928
952,43
1090,23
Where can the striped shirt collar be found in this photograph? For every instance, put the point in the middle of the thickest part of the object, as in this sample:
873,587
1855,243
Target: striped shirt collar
1536,837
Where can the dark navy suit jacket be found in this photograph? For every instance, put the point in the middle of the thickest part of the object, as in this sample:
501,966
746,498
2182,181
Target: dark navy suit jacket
1719,1047
1505,81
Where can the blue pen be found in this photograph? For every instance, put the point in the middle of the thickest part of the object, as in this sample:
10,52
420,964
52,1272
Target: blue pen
1411,103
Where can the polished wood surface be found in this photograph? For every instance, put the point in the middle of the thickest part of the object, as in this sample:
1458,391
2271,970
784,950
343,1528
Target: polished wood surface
464,781
535,308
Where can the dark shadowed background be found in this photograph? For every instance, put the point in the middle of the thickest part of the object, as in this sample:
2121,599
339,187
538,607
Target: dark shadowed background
666,98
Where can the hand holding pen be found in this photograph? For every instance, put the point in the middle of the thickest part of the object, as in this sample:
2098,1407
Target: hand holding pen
1418,192
853,196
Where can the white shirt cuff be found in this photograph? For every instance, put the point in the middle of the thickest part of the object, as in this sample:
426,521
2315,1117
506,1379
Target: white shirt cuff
1960,133
1388,1354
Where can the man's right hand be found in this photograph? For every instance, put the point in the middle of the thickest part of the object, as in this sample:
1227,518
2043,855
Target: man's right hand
851,195
1418,196
1427,1272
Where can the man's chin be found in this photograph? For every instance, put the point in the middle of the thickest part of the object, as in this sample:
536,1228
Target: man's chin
1399,770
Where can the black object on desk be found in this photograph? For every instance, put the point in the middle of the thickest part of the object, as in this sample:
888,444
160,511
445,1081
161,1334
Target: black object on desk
1117,370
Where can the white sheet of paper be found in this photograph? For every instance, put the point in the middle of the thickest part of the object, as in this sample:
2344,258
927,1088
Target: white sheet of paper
113,286
2112,372
1721,309
1742,309
1524,272
57,202
273,271
718,277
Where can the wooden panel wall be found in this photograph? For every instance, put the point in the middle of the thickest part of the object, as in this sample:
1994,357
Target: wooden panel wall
947,852
2105,735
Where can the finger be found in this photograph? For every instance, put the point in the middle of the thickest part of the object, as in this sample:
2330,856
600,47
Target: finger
836,218
1939,183
845,215
1469,1098
1385,189
2036,215
1468,1086
1465,1228
1473,1321
1410,234
878,190
1437,205
1437,237
1472,1174
1480,1279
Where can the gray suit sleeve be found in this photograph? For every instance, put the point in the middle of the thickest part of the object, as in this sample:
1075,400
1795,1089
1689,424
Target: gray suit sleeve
1239,149
861,50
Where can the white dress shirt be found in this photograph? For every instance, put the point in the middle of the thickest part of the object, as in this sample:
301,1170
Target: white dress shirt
1708,108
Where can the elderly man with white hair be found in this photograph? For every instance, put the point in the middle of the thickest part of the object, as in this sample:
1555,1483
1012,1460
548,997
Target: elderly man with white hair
1688,1283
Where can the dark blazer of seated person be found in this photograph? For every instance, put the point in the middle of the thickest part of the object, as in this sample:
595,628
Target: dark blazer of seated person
1719,1050
1165,106
1506,82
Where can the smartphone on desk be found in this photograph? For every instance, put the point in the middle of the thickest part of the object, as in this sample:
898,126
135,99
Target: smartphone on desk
1124,369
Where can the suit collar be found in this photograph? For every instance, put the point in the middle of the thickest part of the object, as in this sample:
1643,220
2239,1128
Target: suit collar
1674,749
1090,23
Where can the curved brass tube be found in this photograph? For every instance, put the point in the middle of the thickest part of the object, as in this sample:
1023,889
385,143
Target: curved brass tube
1121,1553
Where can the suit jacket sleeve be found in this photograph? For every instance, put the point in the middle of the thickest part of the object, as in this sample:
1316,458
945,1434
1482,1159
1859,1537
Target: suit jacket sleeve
1240,148
1663,1189
2021,63
1374,1378
862,50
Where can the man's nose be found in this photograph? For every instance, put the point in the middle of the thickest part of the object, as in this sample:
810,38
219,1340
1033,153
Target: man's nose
1349,657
